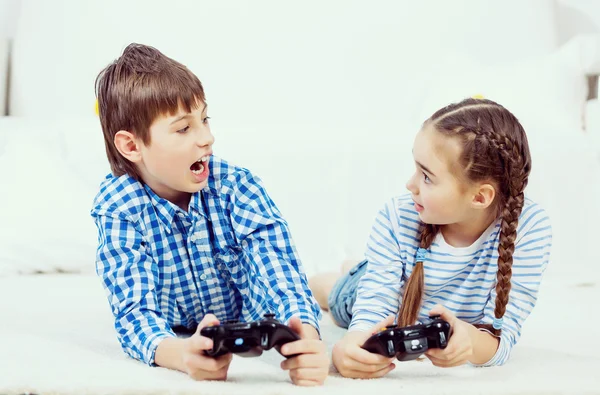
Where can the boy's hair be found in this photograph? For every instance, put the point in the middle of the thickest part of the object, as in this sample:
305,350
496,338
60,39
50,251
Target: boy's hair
137,88
494,148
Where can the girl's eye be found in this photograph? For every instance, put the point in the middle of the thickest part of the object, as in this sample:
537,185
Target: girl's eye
426,178
184,129
205,120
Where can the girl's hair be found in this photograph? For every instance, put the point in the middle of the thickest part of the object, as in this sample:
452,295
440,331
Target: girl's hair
494,149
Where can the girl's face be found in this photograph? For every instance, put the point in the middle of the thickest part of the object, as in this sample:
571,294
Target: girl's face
439,194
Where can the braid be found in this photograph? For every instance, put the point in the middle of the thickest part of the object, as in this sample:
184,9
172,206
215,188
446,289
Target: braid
413,293
516,172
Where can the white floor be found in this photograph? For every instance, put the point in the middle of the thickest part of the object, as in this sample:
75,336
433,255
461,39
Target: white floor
56,336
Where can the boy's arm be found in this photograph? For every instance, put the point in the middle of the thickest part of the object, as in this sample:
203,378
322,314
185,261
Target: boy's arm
130,278
277,280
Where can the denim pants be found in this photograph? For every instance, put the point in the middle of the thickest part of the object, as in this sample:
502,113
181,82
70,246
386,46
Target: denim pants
343,295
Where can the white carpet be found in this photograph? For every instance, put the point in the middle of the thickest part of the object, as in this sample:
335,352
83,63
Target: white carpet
56,337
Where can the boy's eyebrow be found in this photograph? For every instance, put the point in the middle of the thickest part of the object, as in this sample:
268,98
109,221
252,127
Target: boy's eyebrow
187,115
179,118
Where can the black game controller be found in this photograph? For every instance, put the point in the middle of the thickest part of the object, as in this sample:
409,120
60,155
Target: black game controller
410,342
248,339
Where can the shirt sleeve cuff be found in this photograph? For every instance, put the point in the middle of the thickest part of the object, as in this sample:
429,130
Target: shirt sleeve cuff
306,317
501,355
152,344
364,321
360,326
310,320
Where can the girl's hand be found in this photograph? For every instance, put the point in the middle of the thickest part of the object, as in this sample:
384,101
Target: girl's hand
353,361
460,347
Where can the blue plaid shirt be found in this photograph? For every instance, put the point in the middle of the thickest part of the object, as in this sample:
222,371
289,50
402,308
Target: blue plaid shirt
231,254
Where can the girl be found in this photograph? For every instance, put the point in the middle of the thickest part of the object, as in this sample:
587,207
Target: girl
465,244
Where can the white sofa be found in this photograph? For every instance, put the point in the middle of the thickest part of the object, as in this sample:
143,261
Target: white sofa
320,100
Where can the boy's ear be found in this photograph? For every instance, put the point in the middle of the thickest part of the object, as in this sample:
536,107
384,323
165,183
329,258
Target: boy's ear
484,196
128,146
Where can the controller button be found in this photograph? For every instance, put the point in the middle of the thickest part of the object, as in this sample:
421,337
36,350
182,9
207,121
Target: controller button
239,341
390,347
264,340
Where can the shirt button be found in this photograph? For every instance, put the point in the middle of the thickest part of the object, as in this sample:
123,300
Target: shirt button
193,239
203,276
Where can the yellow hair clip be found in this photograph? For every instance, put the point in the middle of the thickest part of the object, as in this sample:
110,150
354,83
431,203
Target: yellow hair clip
97,108
478,96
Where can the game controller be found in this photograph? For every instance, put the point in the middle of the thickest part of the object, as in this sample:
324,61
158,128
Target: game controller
248,339
410,342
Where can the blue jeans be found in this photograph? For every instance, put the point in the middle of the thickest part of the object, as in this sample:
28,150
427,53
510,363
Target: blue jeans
343,295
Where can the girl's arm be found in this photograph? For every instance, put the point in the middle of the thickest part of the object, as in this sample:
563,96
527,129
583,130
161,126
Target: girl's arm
530,259
379,289
478,346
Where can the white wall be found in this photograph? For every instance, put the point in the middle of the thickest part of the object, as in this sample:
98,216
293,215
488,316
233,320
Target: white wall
326,63
334,82
577,17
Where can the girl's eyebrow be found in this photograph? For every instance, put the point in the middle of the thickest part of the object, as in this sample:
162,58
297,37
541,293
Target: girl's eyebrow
425,168
421,165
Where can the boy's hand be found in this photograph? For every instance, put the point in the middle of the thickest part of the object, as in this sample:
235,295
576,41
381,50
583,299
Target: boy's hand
311,367
460,345
353,361
198,365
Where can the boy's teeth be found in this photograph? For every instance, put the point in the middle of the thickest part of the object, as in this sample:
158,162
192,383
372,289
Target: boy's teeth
198,171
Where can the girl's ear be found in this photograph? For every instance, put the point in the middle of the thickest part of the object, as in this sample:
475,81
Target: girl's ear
484,196
127,145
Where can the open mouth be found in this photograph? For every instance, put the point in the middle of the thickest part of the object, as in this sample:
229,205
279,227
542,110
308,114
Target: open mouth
199,166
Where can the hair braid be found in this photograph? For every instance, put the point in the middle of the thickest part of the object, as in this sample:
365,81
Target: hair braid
415,285
517,174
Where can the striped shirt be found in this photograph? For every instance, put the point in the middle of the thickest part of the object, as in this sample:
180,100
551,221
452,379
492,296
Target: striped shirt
461,279
230,254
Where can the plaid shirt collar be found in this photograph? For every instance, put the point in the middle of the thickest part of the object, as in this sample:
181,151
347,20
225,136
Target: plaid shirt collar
167,210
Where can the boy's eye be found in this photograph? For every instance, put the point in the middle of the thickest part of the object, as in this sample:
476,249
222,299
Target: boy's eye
184,129
205,120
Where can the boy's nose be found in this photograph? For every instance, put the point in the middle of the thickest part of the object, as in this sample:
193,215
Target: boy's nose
205,138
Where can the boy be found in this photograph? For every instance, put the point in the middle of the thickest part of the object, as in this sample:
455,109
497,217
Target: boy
186,239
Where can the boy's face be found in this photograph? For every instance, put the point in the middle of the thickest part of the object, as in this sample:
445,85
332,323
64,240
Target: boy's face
176,161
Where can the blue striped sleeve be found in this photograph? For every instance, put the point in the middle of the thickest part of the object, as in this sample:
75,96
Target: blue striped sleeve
379,289
129,278
528,267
